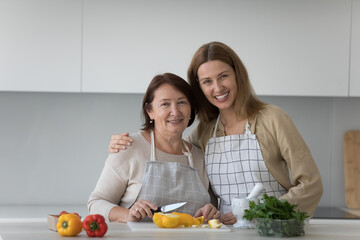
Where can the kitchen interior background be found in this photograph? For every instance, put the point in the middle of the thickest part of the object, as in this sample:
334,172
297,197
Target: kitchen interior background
53,144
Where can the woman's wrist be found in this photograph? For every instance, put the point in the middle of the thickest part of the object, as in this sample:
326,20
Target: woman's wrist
119,214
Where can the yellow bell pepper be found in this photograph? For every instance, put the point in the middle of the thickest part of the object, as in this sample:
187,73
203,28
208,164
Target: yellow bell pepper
69,225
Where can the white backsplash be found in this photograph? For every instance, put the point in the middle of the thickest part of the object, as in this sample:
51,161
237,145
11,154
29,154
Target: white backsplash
53,145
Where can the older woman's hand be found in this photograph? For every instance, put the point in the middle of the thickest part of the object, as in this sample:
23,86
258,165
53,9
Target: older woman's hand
228,219
209,212
141,209
119,142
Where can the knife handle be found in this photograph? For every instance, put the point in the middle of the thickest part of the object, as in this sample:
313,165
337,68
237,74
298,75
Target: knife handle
155,211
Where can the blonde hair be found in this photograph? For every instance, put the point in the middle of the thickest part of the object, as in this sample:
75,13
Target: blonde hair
246,103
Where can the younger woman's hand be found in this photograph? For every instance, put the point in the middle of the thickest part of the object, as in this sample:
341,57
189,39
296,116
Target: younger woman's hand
209,212
119,142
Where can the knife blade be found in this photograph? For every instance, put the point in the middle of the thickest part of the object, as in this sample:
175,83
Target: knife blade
168,207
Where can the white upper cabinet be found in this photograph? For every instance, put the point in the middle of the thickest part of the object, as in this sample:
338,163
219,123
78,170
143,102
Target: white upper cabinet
297,48
354,87
40,45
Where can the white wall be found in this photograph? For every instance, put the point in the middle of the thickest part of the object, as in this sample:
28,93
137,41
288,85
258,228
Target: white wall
53,145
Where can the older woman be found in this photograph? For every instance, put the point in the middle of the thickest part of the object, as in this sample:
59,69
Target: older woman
159,168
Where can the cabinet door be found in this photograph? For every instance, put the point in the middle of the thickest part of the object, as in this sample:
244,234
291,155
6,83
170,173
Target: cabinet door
40,45
289,47
299,48
354,88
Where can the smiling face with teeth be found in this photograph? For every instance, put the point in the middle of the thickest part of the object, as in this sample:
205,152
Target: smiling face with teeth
170,110
217,80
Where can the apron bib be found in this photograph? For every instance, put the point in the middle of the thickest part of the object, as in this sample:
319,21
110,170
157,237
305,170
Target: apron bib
171,182
234,165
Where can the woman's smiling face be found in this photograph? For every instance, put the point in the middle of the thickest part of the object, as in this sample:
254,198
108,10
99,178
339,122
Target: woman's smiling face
218,83
170,110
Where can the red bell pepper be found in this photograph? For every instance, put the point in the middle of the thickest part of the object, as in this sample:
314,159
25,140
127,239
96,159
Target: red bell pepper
95,225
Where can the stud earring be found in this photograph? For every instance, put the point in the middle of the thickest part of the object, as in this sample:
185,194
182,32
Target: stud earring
151,121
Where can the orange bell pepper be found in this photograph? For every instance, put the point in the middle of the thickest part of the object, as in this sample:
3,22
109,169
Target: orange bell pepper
69,225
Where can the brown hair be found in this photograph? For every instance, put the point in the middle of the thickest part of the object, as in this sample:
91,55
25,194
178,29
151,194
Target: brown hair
246,102
175,81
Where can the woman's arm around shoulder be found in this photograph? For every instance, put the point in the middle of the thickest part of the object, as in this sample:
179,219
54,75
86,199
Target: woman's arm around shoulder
119,142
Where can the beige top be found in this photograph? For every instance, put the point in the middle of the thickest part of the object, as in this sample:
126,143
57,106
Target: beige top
282,147
122,176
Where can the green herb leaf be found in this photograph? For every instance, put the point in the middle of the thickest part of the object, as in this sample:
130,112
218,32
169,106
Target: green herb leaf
273,208
270,211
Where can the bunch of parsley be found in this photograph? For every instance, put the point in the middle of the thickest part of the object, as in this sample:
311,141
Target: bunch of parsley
272,208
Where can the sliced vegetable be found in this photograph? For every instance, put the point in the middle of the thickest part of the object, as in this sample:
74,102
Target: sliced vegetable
176,219
185,219
214,223
170,220
157,219
200,219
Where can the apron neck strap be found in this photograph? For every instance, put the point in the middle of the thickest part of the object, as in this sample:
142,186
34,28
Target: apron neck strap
186,153
247,127
216,124
152,154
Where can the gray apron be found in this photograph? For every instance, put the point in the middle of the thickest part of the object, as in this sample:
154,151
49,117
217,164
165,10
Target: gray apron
234,165
172,182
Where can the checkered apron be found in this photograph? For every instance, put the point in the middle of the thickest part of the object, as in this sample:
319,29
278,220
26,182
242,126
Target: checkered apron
172,182
234,165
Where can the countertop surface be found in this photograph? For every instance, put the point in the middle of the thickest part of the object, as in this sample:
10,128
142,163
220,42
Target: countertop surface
29,222
20,229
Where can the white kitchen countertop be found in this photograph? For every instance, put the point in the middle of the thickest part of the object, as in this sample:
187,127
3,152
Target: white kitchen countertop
29,222
36,228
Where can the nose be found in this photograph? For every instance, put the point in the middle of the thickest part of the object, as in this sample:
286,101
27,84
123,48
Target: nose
174,109
218,85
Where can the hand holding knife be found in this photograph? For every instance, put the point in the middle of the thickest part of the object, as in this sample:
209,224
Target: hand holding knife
169,207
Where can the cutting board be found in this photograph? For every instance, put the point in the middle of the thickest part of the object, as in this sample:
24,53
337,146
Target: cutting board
151,227
352,168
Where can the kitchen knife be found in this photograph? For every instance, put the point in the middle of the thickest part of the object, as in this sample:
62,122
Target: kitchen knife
168,208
